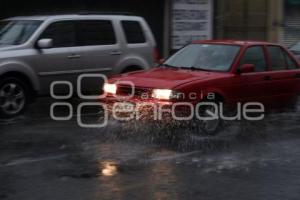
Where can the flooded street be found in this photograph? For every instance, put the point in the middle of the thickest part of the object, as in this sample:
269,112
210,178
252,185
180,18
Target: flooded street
45,159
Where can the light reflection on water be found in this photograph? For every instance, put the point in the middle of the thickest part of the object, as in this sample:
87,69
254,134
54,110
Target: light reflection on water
130,169
108,168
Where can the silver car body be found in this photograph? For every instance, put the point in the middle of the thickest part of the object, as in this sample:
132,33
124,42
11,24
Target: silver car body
43,66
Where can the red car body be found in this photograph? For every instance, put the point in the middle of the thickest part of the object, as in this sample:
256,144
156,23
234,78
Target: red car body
238,84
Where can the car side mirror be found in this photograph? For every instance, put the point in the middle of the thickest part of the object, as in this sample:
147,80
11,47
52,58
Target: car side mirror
246,68
45,43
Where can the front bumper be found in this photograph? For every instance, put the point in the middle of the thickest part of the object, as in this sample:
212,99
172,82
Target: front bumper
142,109
110,100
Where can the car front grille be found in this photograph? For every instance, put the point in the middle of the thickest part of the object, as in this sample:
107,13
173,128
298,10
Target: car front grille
125,90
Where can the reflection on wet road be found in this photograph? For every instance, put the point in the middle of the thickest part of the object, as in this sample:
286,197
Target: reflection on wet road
45,159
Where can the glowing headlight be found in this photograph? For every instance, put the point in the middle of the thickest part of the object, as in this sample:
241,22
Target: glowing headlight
162,94
110,88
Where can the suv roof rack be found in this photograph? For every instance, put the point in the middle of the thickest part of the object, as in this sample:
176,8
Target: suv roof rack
104,13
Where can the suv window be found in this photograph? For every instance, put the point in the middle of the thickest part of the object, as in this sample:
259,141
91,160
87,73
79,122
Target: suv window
95,32
133,32
277,58
62,33
255,55
15,32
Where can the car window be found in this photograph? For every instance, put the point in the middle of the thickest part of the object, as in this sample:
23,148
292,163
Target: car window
133,32
95,32
15,32
255,55
62,33
277,58
290,62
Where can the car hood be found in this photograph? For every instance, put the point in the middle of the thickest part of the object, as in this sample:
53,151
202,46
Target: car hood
165,78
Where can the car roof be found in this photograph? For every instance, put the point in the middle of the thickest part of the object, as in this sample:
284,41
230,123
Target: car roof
74,16
233,42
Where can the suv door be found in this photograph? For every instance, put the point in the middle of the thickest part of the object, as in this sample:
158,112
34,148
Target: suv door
285,75
255,86
138,42
97,41
58,62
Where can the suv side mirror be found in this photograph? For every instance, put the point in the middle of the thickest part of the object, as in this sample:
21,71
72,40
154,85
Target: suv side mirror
45,43
246,68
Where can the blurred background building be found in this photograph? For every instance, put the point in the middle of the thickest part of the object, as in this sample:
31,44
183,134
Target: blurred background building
271,20
176,22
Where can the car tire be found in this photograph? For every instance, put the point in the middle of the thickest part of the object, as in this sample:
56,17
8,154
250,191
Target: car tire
14,97
295,105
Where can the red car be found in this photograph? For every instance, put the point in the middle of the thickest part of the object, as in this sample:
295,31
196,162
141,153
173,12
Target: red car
234,71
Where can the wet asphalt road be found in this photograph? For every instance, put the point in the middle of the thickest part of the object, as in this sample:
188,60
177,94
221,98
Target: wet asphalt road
45,159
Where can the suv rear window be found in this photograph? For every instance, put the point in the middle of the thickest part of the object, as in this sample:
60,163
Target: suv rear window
95,32
133,32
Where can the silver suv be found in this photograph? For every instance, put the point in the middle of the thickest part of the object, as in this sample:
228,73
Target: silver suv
37,50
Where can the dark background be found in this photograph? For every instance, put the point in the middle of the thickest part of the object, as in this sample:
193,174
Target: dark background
152,10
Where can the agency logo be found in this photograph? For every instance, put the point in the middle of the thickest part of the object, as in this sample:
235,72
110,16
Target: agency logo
79,114
126,111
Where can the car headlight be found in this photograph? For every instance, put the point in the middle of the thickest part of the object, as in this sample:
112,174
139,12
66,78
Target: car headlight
110,88
165,94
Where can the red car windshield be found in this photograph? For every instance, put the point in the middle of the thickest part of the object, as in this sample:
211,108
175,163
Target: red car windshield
207,57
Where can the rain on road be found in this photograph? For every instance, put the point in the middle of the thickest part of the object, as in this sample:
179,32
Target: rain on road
45,159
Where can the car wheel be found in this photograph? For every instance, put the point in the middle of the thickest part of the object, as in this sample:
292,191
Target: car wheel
14,95
295,105
209,127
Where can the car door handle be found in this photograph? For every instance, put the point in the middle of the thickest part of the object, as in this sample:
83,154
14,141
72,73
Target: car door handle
297,76
267,78
115,53
74,56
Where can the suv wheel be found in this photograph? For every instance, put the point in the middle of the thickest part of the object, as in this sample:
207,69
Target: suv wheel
13,97
131,69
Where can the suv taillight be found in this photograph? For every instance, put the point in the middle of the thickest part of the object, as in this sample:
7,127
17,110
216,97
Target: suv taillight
155,55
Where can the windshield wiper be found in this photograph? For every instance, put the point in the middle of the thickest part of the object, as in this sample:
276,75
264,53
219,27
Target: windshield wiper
187,68
194,68
171,66
200,69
